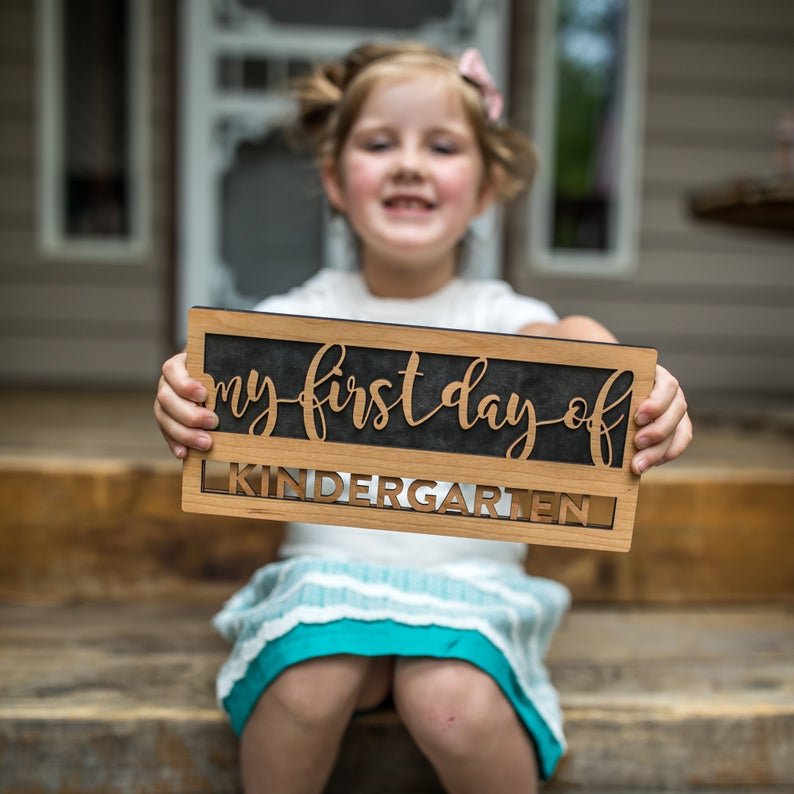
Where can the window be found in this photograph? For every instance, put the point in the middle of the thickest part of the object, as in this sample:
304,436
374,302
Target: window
93,182
587,122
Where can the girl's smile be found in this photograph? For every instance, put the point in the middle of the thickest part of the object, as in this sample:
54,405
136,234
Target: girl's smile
409,180
405,202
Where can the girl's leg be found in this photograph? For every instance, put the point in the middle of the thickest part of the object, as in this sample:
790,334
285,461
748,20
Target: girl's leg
292,738
465,726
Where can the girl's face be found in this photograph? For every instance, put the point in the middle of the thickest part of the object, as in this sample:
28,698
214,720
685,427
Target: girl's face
410,179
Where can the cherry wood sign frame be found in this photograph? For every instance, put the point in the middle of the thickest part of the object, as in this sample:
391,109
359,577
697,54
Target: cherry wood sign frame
482,435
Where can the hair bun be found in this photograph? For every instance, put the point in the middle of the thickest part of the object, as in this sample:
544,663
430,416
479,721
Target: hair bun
317,95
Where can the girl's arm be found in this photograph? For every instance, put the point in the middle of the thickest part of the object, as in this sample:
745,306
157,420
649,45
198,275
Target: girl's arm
176,409
666,429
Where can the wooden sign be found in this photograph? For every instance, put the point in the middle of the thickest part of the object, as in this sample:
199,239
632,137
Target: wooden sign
417,429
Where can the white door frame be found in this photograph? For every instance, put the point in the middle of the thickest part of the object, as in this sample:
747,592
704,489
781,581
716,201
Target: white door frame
205,155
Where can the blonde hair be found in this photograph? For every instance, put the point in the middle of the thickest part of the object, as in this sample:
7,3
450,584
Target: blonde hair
330,99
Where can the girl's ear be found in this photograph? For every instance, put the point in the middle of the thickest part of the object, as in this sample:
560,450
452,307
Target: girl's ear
489,190
329,174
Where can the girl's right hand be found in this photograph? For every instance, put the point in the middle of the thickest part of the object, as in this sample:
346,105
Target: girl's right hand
177,411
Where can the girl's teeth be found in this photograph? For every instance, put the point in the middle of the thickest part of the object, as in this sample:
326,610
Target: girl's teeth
413,204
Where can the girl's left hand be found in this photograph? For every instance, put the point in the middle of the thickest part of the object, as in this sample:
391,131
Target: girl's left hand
665,428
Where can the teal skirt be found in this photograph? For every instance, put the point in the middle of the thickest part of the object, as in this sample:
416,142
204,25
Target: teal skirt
491,615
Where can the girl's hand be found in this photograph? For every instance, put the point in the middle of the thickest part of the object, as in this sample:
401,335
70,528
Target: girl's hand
666,429
176,409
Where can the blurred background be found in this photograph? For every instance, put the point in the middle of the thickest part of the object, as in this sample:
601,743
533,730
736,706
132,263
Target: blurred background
143,170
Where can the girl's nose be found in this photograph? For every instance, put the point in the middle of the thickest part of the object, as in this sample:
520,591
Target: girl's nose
409,164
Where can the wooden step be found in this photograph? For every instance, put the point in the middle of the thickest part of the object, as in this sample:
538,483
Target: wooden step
90,508
114,529
119,698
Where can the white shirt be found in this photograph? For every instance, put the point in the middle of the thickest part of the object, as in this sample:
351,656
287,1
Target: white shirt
482,305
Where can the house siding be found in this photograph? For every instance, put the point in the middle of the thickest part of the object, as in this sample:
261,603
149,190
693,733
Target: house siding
66,321
716,302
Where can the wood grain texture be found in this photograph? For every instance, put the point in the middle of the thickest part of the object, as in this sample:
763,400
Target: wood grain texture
119,698
90,509
720,537
114,531
242,386
101,530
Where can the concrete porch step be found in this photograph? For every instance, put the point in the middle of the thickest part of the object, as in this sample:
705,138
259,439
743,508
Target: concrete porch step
119,698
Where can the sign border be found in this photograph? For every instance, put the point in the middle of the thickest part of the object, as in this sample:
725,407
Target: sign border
537,476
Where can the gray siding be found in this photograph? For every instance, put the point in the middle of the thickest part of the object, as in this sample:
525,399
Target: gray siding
65,321
718,303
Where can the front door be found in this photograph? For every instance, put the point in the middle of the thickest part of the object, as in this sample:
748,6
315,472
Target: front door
252,222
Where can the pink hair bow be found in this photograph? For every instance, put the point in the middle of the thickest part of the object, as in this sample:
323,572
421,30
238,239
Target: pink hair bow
472,67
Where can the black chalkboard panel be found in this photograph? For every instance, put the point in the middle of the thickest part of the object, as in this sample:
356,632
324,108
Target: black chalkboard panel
550,387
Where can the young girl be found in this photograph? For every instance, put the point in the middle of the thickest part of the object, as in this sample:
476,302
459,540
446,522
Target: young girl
410,150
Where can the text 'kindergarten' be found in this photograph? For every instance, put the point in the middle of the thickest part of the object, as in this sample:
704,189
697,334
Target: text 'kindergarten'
261,481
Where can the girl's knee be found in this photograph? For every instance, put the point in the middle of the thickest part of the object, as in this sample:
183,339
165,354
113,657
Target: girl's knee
316,692
449,706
